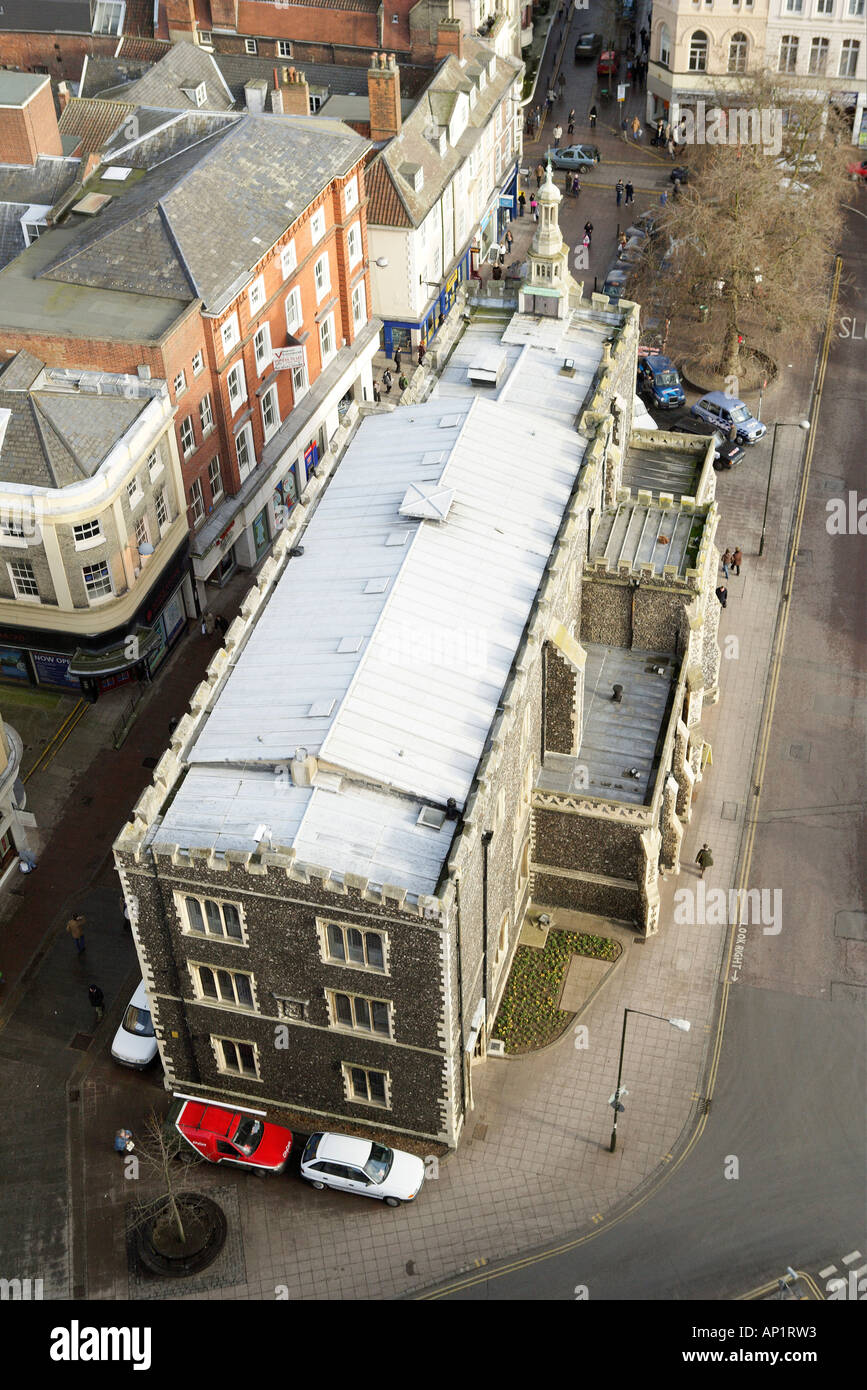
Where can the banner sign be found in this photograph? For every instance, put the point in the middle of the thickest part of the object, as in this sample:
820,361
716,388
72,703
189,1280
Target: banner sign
286,358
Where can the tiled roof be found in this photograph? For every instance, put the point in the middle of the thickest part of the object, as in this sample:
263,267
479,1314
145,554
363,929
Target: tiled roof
102,74
339,79
201,218
43,182
143,50
93,121
384,206
170,82
413,147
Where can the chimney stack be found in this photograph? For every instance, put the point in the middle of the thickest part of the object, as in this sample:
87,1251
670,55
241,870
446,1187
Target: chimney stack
383,90
181,20
450,39
291,95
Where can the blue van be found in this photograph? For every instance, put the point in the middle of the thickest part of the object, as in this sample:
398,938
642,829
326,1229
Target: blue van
658,378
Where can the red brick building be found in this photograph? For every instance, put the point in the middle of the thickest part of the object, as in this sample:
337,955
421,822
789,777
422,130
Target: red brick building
53,37
196,268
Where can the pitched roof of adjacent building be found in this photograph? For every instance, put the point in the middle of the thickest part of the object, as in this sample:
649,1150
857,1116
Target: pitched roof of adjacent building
414,149
70,17
196,222
16,88
174,80
25,186
92,121
57,434
420,568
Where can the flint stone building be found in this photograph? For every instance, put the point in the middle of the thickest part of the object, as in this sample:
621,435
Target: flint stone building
410,737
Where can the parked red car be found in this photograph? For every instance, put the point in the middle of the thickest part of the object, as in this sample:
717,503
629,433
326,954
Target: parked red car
240,1137
609,63
858,171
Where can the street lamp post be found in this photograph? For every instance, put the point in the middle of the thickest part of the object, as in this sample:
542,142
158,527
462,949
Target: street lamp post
798,424
683,1024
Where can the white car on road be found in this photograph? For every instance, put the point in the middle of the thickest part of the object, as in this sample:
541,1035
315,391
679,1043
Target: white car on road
358,1165
135,1043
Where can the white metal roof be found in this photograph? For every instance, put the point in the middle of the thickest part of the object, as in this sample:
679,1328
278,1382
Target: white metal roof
385,647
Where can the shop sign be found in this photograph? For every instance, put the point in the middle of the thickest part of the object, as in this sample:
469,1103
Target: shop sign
53,669
285,359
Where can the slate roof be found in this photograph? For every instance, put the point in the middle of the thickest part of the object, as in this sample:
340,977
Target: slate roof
12,241
57,437
198,221
339,79
93,121
101,74
43,182
69,17
413,148
172,80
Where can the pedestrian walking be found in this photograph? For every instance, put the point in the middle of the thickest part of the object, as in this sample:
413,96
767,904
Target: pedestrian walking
645,41
397,359
588,231
571,121
624,130
660,133
386,381
725,561
97,1001
551,98
630,192
618,190
675,192
534,208
124,913
123,1141
636,128
592,117
663,199
622,242
576,185
737,558
509,240
704,859
521,201
377,397
402,382
722,594
222,624
558,135
670,148
75,927
540,174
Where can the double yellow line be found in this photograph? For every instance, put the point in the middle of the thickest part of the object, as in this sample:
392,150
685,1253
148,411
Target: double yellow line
54,746
481,1276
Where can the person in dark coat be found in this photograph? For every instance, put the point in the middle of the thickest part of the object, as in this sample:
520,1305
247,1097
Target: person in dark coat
97,1001
397,359
521,201
592,117
588,231
422,349
704,859
722,594
376,394
386,381
630,192
737,559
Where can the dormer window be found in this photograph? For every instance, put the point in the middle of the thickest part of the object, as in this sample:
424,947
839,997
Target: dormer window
414,176
200,95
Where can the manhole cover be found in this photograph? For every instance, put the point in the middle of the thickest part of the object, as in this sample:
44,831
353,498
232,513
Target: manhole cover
800,752
149,762
729,810
81,1042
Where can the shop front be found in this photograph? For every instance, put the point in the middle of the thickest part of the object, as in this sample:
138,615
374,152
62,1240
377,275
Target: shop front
95,664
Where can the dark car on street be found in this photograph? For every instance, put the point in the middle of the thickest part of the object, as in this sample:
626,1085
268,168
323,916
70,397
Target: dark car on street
728,453
659,381
588,46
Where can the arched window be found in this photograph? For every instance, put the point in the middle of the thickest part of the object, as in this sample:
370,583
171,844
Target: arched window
738,53
664,45
698,51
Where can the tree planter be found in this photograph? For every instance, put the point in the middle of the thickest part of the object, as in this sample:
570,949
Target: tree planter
157,1247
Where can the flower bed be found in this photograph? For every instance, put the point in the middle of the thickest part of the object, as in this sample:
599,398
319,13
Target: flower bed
529,1017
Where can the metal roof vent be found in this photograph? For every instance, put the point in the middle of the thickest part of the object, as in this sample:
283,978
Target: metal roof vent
487,366
432,817
427,502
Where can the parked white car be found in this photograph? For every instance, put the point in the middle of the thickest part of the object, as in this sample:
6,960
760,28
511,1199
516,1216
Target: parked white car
135,1043
358,1165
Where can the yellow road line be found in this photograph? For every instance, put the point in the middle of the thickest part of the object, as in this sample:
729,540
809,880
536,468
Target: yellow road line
57,741
668,1173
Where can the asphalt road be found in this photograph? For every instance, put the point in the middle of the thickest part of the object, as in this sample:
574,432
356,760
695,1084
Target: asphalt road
789,1100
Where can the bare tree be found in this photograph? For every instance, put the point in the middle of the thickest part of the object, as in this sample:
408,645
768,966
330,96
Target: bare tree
752,234
159,1154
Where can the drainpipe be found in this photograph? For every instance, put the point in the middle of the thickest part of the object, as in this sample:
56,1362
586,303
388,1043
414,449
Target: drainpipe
459,955
487,837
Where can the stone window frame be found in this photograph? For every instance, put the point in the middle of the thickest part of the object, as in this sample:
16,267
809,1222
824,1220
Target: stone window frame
322,276
187,435
850,52
354,245
206,415
256,295
357,1029
180,896
262,349
322,925
347,1068
350,195
270,402
87,534
317,226
217,1038
155,464
230,335
501,953
21,571
522,869
164,521
198,363
236,386
217,493
288,259
142,531
94,584
195,967
359,314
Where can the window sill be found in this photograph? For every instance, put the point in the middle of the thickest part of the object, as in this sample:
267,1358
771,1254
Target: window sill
98,602
27,598
15,542
90,544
